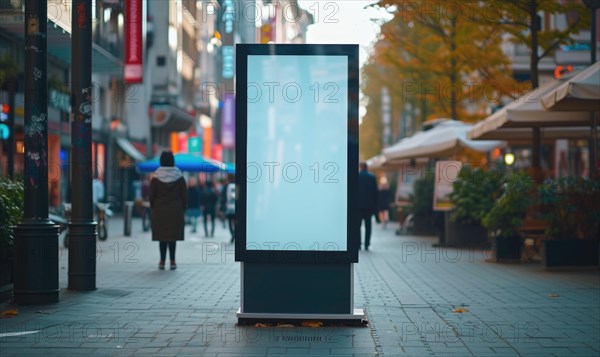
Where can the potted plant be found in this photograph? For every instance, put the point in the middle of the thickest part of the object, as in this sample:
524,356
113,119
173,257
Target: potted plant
11,211
507,213
473,195
571,207
421,206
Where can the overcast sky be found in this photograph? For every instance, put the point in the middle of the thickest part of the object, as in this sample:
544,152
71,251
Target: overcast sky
348,21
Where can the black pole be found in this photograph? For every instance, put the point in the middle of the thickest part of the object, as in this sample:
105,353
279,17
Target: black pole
36,237
593,33
12,83
594,146
82,227
594,139
537,155
593,5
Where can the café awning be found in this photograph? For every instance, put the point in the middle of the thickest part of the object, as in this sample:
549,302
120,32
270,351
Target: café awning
579,93
130,150
444,140
169,117
527,112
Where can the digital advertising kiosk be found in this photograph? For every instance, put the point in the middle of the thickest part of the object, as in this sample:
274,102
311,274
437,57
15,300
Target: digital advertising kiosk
297,232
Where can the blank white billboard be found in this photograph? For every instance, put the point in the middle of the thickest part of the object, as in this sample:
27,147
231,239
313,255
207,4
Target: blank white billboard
297,152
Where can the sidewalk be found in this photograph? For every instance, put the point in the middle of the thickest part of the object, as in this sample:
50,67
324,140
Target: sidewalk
408,288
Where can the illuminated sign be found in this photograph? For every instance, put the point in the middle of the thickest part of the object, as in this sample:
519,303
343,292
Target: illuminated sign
133,69
228,62
4,131
297,152
228,15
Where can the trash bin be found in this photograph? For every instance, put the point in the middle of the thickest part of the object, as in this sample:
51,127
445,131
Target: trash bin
127,217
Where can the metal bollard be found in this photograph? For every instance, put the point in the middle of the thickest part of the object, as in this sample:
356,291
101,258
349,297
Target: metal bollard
128,213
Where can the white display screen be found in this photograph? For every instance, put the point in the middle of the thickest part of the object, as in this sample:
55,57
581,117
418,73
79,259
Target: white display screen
297,153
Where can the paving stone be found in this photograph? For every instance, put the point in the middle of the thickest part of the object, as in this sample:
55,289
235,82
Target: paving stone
408,299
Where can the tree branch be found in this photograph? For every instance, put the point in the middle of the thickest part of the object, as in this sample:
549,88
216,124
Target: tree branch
561,38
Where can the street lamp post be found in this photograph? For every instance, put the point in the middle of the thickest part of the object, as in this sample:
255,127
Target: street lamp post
36,237
593,5
10,85
82,227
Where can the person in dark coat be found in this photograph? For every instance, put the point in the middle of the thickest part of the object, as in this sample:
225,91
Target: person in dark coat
168,200
367,200
210,196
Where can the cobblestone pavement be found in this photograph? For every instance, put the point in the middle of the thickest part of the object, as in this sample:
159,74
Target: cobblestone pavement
410,290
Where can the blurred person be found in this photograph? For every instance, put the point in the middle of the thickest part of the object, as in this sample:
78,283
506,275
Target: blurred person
194,192
222,200
146,188
168,200
228,195
97,193
210,196
367,200
383,201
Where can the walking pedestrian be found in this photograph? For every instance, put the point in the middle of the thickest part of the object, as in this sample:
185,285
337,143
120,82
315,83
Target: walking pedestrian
367,200
193,209
383,201
168,200
229,196
209,207
222,201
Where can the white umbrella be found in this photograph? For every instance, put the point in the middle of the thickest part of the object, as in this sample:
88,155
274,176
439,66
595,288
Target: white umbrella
527,112
525,135
444,140
579,93
376,162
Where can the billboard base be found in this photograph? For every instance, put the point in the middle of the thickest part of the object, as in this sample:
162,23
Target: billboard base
245,317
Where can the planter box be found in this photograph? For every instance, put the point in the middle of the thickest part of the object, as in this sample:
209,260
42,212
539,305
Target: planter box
465,235
570,253
424,226
508,249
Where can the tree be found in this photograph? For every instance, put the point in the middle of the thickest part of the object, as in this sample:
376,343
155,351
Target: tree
522,20
370,138
456,63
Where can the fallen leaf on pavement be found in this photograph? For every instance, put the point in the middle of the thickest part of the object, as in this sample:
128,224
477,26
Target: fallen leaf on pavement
460,310
10,313
311,324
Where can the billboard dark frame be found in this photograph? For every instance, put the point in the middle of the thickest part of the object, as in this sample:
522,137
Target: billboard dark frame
350,255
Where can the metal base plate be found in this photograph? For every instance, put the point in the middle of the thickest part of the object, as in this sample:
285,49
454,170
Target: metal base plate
358,315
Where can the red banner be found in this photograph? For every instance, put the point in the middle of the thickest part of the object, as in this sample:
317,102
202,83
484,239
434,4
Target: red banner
133,42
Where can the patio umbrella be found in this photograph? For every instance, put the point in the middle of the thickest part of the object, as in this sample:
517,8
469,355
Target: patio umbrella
229,167
444,140
527,112
376,162
185,162
580,93
525,135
